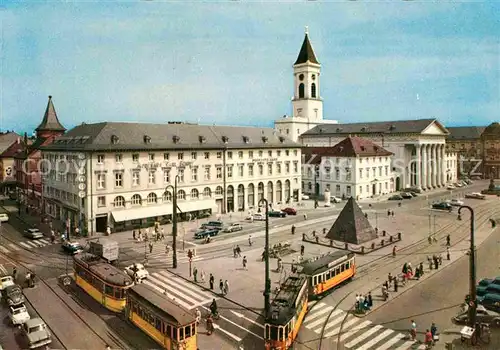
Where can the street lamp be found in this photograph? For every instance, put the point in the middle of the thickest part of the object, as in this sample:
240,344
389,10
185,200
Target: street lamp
267,286
472,268
316,190
174,220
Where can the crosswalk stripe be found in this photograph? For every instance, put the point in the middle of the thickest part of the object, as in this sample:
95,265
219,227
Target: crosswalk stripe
13,246
3,269
346,325
391,342
189,287
332,322
375,340
363,336
38,244
321,320
315,315
406,345
3,249
236,338
44,241
172,286
354,330
25,245
180,302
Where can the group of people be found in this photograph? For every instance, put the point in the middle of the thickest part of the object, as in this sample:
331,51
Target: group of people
157,234
431,334
363,302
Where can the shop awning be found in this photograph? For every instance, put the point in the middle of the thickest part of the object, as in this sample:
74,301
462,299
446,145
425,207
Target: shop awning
204,204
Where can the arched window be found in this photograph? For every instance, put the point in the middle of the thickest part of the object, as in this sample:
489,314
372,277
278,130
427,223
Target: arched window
167,196
152,198
301,90
313,90
119,202
219,191
136,199
309,186
207,193
181,194
194,193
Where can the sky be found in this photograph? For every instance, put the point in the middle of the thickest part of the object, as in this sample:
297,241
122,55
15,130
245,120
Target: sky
230,62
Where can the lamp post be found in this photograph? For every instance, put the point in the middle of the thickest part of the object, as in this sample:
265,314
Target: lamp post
174,220
267,286
472,267
316,192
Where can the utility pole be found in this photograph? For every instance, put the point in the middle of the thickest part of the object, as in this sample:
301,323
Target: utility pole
267,286
472,268
174,220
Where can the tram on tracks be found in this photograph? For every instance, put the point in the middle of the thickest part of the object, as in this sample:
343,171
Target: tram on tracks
286,313
169,324
328,272
106,283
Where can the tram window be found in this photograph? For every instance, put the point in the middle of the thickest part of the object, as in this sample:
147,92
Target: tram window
315,282
347,265
181,333
280,333
158,324
98,284
134,308
108,290
337,270
268,332
118,293
187,331
168,331
287,330
342,268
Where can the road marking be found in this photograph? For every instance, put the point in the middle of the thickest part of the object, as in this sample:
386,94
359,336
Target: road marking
38,244
13,246
44,241
351,332
363,336
235,324
317,314
236,338
375,340
237,314
164,292
407,345
321,320
391,342
332,322
4,250
25,245
3,269
346,325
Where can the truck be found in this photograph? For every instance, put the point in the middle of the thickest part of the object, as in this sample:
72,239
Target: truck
36,333
105,248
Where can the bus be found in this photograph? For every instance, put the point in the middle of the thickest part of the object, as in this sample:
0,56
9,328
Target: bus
328,272
104,282
286,313
165,321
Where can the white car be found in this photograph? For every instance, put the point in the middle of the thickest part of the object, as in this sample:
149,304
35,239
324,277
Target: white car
6,281
456,202
233,228
305,197
18,314
475,195
450,187
256,217
334,199
4,217
457,184
137,272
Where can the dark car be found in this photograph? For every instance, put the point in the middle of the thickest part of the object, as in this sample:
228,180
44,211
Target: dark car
13,295
72,247
406,195
206,233
395,197
442,206
203,215
414,194
277,214
212,225
483,315
490,301
289,211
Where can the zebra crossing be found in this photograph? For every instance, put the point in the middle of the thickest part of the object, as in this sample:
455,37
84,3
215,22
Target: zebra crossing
7,248
356,333
186,294
159,255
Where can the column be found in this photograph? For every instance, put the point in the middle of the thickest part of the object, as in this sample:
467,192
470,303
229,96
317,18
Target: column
434,168
424,167
443,166
438,166
418,164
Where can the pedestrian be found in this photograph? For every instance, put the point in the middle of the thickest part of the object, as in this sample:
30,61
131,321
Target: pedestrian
302,249
221,286
133,235
421,269
388,212
238,250
162,235
150,247
195,274
394,251
234,252
370,300
395,286
447,253
392,213
413,330
211,280
14,273
245,262
293,229
428,338
436,262
361,302
389,277
167,249
448,240
226,287
305,216
429,239
356,304
429,260
202,276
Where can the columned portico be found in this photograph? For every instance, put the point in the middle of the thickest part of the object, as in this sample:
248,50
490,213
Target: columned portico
443,166
418,165
434,168
425,161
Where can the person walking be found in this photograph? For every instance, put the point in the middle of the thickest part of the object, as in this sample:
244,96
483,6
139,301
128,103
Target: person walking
394,251
448,240
421,268
211,280
221,286
195,274
226,287
305,216
356,304
428,338
202,276
302,249
413,330
245,262
133,235
14,273
447,253
370,300
150,247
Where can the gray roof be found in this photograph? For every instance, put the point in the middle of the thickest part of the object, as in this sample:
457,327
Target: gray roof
306,53
7,139
458,133
389,127
110,136
50,122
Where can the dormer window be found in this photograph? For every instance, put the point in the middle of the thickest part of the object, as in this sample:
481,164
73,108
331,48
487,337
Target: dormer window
202,139
246,139
282,139
363,129
264,139
114,139
339,129
147,139
225,139
392,127
375,148
175,139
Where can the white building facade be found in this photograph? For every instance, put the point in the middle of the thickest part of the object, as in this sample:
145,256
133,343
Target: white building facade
307,104
122,175
452,167
354,167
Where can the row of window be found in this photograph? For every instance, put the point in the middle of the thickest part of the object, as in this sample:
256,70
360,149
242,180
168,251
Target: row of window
167,329
334,271
194,155
119,176
97,283
369,188
348,172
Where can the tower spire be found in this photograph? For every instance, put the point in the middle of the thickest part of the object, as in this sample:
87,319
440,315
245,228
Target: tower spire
50,122
306,30
306,51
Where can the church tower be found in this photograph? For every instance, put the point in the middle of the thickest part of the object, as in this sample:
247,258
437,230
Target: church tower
307,104
50,125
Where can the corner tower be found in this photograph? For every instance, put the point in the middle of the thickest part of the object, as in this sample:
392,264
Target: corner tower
50,125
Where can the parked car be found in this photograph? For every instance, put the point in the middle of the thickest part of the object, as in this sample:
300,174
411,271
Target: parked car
482,286
33,233
18,314
414,194
412,189
490,301
334,199
475,195
4,217
483,315
13,295
456,202
305,197
36,332
277,214
137,272
212,225
206,233
233,228
406,195
396,197
72,247
6,281
450,187
458,184
442,206
289,211
203,215
256,217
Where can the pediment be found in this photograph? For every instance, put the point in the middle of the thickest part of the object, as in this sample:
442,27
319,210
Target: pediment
435,128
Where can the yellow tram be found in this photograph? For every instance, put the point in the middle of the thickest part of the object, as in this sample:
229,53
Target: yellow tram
169,324
104,282
286,314
328,272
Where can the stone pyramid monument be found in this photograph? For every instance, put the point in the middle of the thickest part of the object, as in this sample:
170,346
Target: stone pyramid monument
352,226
